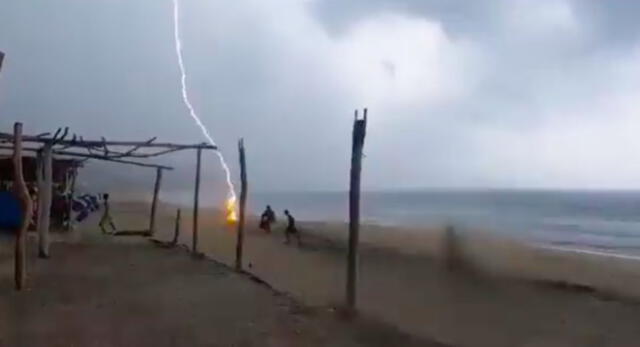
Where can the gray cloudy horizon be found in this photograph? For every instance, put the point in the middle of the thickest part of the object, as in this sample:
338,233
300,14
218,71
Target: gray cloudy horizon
501,93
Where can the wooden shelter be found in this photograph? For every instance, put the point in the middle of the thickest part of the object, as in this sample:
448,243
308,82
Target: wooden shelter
70,151
45,170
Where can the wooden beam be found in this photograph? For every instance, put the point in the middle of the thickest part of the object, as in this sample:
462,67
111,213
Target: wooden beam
120,161
154,203
243,201
196,202
95,156
155,154
359,130
21,192
101,143
144,233
45,189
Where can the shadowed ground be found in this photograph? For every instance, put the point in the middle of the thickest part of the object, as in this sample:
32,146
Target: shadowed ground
105,291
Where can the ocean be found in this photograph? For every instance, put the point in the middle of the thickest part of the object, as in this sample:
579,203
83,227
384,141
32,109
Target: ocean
603,221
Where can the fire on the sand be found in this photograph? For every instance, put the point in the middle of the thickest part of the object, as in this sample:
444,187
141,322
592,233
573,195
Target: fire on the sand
230,207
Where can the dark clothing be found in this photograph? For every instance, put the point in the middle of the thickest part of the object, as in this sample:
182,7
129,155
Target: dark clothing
272,216
268,217
291,229
291,224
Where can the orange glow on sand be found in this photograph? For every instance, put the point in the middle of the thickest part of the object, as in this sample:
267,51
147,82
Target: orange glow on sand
230,210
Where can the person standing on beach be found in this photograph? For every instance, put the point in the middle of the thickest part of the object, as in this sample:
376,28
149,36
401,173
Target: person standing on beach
291,228
106,216
268,217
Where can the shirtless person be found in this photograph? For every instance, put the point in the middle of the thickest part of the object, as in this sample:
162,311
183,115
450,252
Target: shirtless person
106,216
291,228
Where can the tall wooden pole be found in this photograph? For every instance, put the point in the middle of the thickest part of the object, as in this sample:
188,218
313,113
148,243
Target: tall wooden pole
45,191
243,201
154,203
196,202
359,130
21,192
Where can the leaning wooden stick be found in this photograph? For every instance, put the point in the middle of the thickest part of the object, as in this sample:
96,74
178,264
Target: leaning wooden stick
176,231
21,192
154,203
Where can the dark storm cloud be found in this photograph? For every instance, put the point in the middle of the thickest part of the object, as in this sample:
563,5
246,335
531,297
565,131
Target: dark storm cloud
550,70
521,67
476,93
611,21
109,69
457,16
91,65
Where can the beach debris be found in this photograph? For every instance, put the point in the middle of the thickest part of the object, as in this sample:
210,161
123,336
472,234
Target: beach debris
452,257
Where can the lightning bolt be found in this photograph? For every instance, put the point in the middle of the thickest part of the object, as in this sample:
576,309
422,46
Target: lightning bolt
231,198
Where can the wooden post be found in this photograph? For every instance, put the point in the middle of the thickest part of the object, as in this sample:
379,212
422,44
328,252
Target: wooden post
176,230
45,190
72,191
40,186
243,201
154,203
196,202
1,59
359,130
21,192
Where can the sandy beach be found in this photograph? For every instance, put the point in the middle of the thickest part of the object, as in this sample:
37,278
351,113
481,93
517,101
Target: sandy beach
101,290
485,292
443,173
503,293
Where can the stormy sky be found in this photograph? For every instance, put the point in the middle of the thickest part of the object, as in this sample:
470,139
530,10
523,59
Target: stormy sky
501,93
